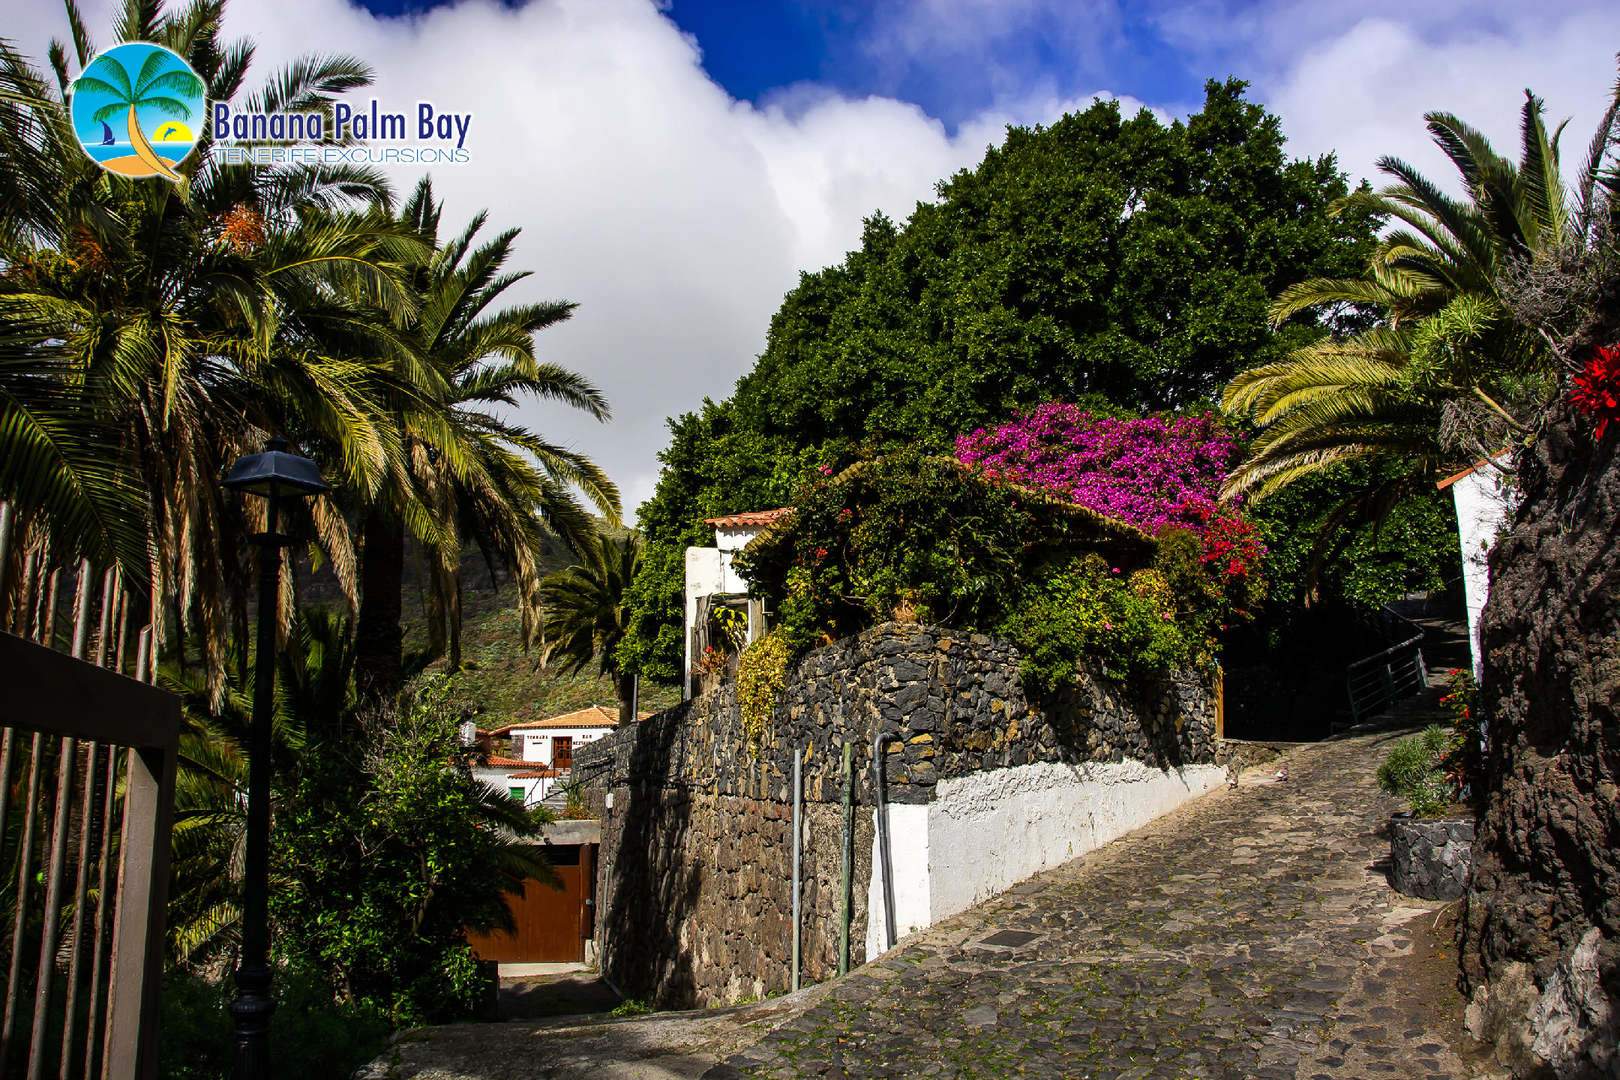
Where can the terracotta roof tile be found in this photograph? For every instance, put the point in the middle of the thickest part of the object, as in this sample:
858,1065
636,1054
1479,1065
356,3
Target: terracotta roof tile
1474,468
588,717
495,761
750,517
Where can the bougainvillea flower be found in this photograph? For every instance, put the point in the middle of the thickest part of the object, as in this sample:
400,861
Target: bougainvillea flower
1152,472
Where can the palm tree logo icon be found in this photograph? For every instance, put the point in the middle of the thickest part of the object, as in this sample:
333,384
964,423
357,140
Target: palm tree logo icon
137,110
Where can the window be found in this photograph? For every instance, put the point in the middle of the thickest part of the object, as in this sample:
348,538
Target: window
516,791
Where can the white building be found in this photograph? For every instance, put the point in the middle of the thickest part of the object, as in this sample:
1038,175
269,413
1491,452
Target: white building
710,579
517,779
1484,498
540,753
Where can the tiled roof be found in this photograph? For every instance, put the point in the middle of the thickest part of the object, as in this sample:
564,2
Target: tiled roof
495,761
750,517
538,774
589,717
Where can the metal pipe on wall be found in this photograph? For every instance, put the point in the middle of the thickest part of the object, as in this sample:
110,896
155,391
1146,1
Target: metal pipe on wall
880,803
847,859
798,851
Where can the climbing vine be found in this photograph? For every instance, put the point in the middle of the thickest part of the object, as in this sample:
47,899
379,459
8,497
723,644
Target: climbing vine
761,674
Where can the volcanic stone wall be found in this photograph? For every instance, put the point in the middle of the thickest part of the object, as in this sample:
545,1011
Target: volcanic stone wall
694,893
1541,944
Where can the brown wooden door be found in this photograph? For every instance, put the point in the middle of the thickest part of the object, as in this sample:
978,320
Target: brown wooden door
562,751
549,925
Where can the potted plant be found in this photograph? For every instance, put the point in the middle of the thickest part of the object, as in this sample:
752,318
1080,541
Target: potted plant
1431,843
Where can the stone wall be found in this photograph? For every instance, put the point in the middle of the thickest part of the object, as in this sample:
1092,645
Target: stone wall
1541,945
694,872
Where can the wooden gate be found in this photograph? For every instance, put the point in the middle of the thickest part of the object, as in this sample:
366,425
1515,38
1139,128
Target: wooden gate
552,923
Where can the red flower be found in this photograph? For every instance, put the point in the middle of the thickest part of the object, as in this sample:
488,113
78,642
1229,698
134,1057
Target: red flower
1595,391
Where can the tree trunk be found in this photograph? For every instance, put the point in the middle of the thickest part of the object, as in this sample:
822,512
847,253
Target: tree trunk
379,637
1541,931
144,151
455,621
626,685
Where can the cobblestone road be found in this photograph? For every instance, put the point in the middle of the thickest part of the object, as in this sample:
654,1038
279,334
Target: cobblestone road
1252,933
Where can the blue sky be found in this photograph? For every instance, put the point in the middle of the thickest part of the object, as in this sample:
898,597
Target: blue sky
764,50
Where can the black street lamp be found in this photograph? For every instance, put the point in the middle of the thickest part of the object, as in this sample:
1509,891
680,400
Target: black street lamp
271,475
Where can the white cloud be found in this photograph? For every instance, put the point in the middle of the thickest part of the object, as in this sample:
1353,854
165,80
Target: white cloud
1358,82
677,216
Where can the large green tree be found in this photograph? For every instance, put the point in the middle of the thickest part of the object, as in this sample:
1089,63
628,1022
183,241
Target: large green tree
465,474
1109,259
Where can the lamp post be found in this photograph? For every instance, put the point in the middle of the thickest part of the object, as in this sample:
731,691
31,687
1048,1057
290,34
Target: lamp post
271,475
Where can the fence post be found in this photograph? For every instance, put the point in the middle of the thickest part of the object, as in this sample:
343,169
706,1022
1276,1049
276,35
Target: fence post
138,937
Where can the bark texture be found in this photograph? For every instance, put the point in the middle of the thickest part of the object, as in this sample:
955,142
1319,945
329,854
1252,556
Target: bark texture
1541,937
379,636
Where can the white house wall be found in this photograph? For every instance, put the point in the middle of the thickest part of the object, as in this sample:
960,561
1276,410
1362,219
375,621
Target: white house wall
705,576
987,831
537,744
501,782
1484,503
728,542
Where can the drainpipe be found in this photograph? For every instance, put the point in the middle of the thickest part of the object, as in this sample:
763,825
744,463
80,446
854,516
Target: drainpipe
880,797
848,859
798,843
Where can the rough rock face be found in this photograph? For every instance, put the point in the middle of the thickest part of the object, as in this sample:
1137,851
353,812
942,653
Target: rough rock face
1541,940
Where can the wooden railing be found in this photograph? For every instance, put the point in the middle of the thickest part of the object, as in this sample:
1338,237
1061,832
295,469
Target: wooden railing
87,766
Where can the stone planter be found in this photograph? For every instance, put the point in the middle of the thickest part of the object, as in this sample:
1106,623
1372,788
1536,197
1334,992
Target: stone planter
1430,858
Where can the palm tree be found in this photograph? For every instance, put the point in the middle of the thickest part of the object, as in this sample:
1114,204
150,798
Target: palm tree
146,91
147,338
586,616
466,474
1445,375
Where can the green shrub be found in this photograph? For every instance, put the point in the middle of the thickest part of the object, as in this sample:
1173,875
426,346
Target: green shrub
919,536
1090,609
631,1007
388,851
310,1034
914,536
1416,771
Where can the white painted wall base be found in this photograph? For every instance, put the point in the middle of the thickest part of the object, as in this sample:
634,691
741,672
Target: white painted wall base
908,850
985,832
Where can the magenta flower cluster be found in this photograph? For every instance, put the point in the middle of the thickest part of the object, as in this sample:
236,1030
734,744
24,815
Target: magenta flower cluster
1152,472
